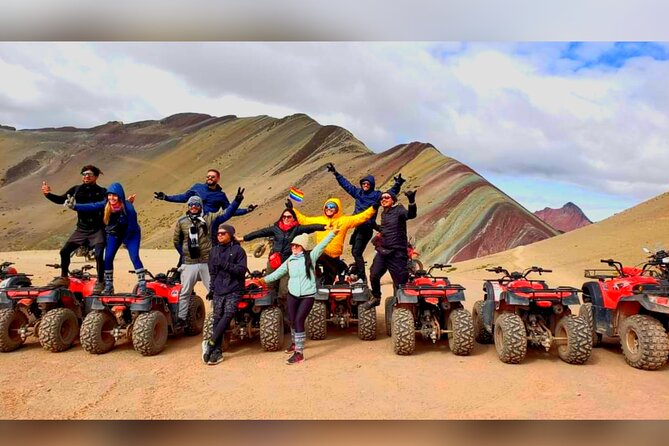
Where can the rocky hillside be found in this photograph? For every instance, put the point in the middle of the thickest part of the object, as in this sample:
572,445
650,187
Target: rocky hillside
565,219
461,215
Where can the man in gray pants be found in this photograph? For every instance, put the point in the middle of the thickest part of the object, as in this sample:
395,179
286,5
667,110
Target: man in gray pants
193,241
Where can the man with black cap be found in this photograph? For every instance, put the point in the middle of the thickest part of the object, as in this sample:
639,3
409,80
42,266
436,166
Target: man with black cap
90,227
193,242
391,244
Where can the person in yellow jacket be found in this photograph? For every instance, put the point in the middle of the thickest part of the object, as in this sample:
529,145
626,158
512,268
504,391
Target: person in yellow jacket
332,214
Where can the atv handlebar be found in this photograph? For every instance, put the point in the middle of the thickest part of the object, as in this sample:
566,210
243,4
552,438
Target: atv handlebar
53,265
4,265
515,275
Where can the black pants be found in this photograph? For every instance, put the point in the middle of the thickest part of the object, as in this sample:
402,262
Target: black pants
396,263
225,307
359,240
332,267
80,237
298,310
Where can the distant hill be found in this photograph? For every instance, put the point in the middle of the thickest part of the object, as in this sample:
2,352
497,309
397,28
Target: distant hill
565,219
460,214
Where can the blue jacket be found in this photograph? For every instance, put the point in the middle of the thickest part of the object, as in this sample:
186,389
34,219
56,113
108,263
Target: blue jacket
363,200
212,200
125,223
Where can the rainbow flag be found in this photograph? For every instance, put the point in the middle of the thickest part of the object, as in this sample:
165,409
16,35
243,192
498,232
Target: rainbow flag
296,194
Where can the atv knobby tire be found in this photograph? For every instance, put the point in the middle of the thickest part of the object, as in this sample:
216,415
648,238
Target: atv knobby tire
316,323
403,331
95,335
461,332
208,330
587,314
389,305
149,333
196,315
58,329
366,323
481,334
271,329
578,347
510,338
11,322
644,341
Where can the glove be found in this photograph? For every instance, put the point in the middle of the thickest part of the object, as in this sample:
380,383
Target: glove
252,207
411,195
262,282
399,180
210,295
70,202
331,168
289,204
240,195
159,195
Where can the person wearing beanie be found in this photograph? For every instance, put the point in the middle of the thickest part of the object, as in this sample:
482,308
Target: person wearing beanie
365,196
193,242
227,268
392,244
90,229
301,287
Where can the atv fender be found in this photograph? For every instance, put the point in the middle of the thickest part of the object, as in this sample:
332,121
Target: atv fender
512,298
488,311
322,294
54,296
592,293
404,298
456,297
572,299
268,299
144,304
95,304
645,301
16,282
361,294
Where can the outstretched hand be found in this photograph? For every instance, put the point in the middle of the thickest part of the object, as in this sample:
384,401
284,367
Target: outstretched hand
289,204
45,188
411,195
399,180
159,195
240,195
70,202
252,207
331,168
131,198
336,228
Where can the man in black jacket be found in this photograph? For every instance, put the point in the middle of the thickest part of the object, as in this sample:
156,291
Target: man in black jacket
227,268
391,249
90,227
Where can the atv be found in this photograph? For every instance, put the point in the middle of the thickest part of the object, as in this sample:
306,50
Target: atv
258,315
633,304
517,311
341,304
432,306
146,320
52,314
11,278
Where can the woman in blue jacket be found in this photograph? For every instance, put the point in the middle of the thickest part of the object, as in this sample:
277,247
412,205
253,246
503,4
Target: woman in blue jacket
120,219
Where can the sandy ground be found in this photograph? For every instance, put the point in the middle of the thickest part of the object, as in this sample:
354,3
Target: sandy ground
342,378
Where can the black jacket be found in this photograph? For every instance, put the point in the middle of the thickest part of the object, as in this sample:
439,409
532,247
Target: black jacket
84,194
393,226
227,268
283,239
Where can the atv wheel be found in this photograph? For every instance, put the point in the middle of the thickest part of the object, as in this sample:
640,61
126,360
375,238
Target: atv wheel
271,329
11,322
196,314
366,323
578,347
510,338
208,330
586,313
461,336
404,332
481,334
58,329
149,334
644,341
95,336
316,323
260,250
389,305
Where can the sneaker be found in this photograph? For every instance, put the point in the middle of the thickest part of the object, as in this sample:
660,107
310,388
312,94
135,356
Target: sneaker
371,303
290,349
59,281
216,357
99,286
296,358
206,351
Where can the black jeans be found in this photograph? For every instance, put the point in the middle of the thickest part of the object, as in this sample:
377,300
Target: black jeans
298,310
396,263
332,267
225,307
80,237
359,240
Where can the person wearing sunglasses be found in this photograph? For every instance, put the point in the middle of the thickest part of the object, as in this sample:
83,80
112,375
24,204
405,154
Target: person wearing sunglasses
365,196
333,215
90,227
391,246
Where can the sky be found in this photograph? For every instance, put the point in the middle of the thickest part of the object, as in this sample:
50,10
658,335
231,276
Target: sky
546,122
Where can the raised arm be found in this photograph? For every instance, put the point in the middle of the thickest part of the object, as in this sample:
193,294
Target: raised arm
59,199
358,219
308,229
347,186
264,232
277,273
181,198
318,250
90,206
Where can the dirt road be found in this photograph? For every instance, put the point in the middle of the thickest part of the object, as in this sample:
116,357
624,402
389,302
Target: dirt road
342,378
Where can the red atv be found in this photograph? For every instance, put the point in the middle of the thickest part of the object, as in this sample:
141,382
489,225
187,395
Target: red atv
341,304
145,319
52,314
517,310
11,278
258,315
432,306
633,304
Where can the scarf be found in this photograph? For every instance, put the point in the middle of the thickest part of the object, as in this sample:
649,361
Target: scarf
193,234
287,227
116,207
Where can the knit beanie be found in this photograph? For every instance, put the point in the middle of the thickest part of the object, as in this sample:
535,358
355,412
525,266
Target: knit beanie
194,200
392,195
229,229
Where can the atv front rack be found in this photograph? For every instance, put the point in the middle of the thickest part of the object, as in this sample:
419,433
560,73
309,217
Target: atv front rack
601,274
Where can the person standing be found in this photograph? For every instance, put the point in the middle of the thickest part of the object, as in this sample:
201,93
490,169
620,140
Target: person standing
391,247
227,268
365,196
90,227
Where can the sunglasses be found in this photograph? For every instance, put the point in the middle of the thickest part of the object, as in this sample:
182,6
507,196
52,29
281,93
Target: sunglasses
222,232
365,183
88,173
211,177
330,206
286,216
195,205
386,197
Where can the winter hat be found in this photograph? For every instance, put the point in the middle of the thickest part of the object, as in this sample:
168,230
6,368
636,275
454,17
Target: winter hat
303,240
392,195
229,229
194,200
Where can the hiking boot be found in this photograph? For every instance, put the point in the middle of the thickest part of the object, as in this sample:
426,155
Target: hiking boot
371,303
206,351
59,282
296,358
290,349
99,286
216,357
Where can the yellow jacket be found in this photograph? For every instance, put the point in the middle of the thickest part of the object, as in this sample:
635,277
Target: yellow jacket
336,246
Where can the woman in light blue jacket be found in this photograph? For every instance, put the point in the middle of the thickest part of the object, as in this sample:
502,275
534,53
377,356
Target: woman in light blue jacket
301,288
